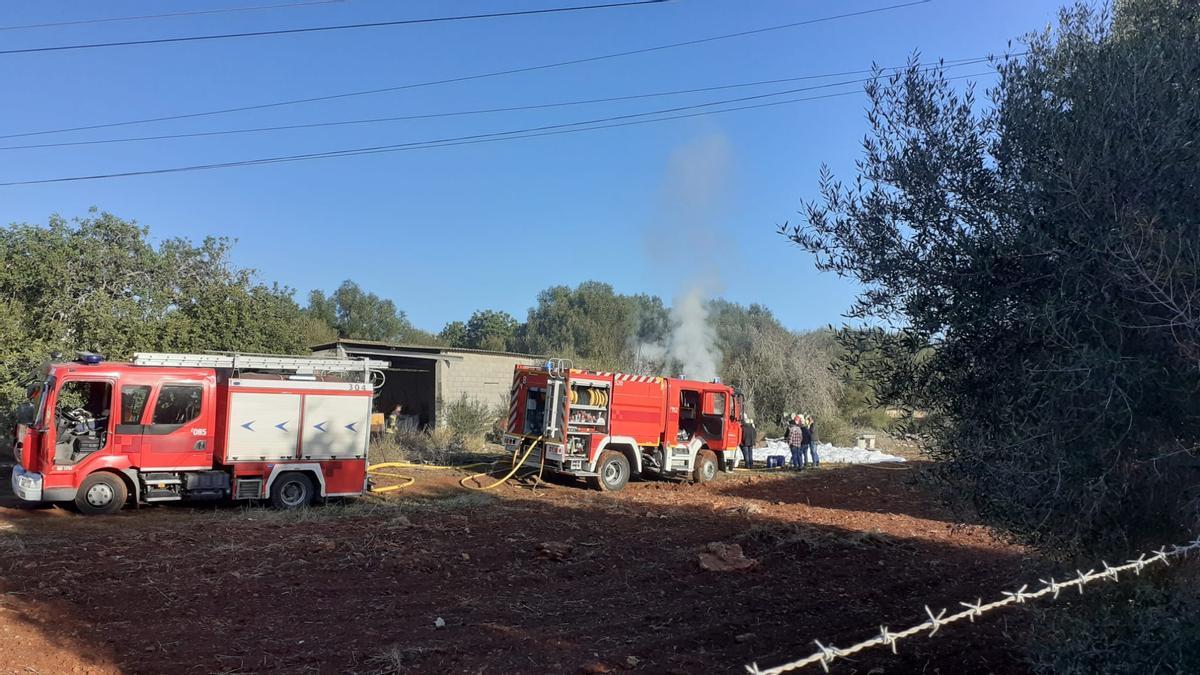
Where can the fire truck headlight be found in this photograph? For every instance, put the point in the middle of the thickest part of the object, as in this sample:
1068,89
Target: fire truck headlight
27,485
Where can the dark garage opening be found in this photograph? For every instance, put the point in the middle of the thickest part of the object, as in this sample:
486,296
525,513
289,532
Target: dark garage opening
410,383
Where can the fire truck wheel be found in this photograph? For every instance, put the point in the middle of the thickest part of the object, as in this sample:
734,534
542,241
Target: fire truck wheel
706,467
291,490
100,494
613,468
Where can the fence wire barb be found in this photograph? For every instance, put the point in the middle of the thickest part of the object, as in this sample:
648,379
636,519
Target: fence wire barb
827,654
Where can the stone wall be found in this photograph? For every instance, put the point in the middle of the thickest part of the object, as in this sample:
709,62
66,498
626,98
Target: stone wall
486,378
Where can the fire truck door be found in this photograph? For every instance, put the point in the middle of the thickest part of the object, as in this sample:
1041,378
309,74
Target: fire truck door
131,409
712,421
179,433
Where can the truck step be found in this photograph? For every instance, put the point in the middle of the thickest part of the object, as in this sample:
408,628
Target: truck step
160,496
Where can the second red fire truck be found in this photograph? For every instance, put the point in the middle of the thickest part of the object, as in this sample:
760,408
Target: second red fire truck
608,427
169,427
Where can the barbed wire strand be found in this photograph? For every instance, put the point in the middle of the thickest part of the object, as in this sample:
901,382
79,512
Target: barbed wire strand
827,654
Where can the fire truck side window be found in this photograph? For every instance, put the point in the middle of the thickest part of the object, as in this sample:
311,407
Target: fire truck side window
93,399
133,402
716,404
81,418
177,404
713,424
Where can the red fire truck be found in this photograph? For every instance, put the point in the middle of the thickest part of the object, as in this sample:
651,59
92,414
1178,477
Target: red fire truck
607,427
168,427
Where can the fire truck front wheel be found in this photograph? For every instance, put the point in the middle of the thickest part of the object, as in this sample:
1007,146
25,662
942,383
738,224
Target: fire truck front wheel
612,470
100,494
706,467
292,490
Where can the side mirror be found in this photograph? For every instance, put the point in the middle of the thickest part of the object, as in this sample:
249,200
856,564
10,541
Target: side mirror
26,413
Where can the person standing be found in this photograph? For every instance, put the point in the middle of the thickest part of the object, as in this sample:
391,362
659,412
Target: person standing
749,436
393,419
795,436
810,440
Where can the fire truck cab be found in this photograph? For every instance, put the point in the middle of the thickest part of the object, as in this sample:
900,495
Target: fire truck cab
608,427
169,427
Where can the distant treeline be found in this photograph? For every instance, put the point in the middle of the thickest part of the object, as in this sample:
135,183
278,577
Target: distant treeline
98,283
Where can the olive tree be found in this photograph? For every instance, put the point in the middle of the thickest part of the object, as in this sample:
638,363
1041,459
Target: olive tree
1032,263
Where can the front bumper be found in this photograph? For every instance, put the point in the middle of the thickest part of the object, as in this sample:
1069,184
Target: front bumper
26,484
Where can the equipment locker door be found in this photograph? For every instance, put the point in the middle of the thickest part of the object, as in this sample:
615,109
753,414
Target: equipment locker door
179,432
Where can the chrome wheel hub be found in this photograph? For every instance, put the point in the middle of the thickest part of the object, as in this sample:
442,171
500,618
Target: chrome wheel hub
99,495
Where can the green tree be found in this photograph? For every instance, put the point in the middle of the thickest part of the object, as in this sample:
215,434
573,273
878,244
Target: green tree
454,334
97,283
590,323
778,371
1036,263
490,329
355,313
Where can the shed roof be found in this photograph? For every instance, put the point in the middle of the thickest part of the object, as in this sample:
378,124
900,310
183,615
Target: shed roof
350,344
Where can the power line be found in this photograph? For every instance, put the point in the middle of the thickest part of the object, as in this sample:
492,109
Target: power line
464,78
197,12
458,113
515,134
318,29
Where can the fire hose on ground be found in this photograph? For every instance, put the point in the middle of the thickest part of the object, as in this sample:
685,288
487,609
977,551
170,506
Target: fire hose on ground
376,470
516,467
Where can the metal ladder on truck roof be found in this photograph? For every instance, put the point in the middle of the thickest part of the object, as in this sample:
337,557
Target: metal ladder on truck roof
294,364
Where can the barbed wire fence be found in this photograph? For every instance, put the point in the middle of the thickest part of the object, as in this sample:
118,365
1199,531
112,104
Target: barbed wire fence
827,654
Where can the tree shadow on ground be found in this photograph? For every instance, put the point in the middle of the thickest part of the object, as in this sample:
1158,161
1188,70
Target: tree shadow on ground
883,489
547,579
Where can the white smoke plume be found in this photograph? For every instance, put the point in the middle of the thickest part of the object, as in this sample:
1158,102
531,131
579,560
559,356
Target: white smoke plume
686,234
690,349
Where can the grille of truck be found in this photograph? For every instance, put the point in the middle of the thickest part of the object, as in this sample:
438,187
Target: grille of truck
247,488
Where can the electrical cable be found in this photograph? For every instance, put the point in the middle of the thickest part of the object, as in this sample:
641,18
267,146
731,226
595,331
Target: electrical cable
462,78
197,12
532,132
318,29
458,113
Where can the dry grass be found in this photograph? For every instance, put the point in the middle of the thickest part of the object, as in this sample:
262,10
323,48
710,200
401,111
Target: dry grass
437,446
373,507
394,659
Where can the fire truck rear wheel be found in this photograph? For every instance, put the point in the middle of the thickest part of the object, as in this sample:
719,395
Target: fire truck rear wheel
706,467
613,470
292,490
100,494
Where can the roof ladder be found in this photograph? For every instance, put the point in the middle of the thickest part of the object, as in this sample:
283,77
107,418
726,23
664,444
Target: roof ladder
292,364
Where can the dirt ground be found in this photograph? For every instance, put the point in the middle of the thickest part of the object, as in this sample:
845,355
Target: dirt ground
551,578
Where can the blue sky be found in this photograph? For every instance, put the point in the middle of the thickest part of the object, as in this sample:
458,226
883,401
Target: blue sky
445,231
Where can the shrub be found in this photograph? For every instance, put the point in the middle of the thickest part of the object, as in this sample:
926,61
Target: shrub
468,418
1147,624
1033,267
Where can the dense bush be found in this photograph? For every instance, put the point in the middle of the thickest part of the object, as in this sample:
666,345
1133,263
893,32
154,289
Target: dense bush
468,418
1035,265
1147,624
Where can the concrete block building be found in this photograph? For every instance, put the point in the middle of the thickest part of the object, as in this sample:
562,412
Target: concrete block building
422,378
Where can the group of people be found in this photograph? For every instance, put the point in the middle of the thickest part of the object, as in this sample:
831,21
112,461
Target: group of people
802,441
801,437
